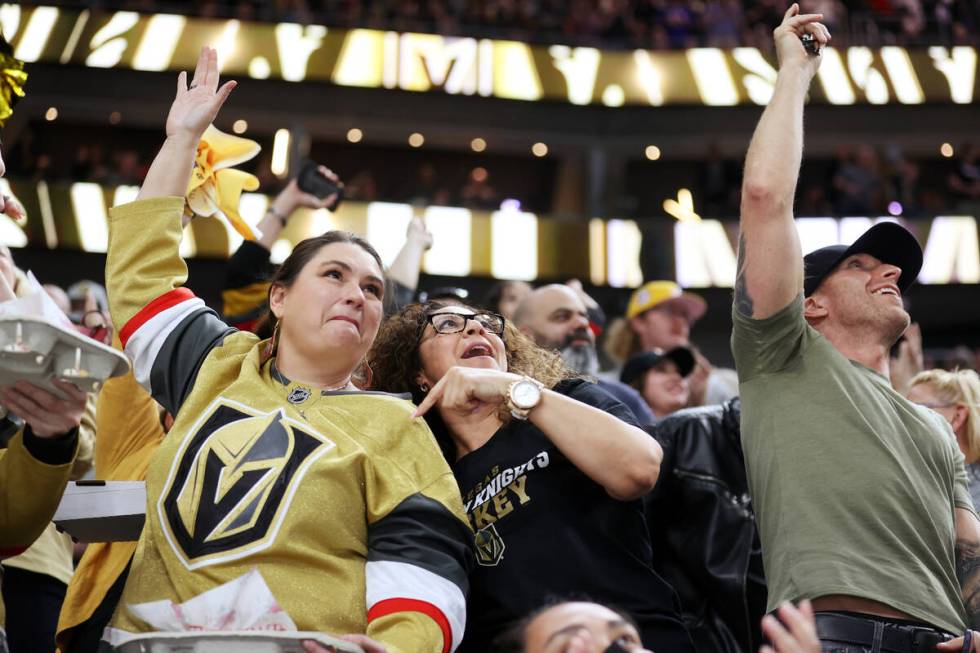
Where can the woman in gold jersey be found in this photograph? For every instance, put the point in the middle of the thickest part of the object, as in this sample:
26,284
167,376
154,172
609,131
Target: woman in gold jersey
276,461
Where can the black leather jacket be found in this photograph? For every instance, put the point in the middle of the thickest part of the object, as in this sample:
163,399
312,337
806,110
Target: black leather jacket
703,528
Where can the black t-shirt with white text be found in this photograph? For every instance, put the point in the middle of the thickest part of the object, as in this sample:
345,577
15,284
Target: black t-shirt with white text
545,531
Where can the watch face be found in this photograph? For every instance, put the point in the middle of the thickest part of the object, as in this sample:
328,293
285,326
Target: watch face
526,394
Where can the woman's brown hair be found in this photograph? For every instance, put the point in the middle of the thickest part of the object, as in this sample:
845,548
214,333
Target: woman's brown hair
395,363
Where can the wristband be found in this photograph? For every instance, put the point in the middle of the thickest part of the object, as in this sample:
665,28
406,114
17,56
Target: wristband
277,214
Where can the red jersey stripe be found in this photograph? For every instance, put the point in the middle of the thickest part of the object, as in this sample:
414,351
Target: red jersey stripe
157,306
391,606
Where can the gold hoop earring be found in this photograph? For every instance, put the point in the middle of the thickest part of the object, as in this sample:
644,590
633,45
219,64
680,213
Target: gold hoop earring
273,344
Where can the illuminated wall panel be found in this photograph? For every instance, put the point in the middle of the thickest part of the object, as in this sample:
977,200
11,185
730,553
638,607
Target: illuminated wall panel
514,245
451,234
386,226
89,206
623,240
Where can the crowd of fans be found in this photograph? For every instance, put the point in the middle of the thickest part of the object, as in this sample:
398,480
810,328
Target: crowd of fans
858,180
330,451
650,24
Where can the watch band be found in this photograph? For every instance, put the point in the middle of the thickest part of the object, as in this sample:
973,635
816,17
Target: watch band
518,412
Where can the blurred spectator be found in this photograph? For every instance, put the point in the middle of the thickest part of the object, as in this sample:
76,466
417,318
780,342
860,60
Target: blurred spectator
661,377
505,296
478,193
718,181
723,22
955,396
427,187
363,187
556,318
654,24
813,201
902,185
964,181
858,183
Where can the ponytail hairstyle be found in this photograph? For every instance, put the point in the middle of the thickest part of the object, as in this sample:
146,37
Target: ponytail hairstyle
961,387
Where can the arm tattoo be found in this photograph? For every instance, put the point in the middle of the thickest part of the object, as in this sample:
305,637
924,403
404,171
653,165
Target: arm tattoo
968,573
743,302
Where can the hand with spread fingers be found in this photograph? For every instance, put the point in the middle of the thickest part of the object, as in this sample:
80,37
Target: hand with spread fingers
196,106
365,642
466,390
789,47
48,415
794,632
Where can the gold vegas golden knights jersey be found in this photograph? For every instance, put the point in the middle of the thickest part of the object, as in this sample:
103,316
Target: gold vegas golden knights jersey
341,501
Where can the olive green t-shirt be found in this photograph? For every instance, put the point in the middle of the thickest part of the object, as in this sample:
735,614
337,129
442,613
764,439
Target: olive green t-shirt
854,486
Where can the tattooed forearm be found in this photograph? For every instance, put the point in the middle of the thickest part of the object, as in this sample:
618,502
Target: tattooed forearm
743,302
968,573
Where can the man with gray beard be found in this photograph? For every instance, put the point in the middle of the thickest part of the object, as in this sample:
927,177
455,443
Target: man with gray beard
555,317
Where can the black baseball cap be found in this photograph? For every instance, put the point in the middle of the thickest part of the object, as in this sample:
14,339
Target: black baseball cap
887,241
638,364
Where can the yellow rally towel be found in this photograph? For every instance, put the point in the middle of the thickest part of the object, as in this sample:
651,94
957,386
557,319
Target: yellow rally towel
215,187
12,80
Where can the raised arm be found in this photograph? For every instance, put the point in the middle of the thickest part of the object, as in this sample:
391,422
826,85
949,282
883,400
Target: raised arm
407,266
617,455
770,269
249,269
163,327
33,473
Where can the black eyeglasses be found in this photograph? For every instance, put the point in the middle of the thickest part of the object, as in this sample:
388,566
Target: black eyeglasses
456,322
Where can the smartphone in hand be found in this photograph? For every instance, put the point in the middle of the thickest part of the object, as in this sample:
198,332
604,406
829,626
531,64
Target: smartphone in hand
311,181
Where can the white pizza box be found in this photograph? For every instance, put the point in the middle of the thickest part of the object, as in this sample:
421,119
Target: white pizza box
103,511
230,642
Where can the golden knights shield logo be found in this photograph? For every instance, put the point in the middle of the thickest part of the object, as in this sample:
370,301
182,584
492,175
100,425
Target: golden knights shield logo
233,480
489,546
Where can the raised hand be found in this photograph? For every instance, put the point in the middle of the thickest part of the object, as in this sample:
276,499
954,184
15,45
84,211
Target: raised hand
292,197
417,232
796,634
48,415
789,47
467,389
196,106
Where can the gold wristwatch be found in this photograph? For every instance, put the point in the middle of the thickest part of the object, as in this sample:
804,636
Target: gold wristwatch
523,395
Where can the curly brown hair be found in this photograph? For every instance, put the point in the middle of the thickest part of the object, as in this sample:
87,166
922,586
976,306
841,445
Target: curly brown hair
394,359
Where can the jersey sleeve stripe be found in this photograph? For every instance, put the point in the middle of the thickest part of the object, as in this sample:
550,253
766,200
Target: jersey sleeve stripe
392,584
391,606
144,343
157,306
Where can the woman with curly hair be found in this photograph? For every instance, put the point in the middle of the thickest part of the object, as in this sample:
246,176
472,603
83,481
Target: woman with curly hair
550,468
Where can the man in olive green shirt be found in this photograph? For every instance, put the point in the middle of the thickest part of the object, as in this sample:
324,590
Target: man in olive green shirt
860,495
